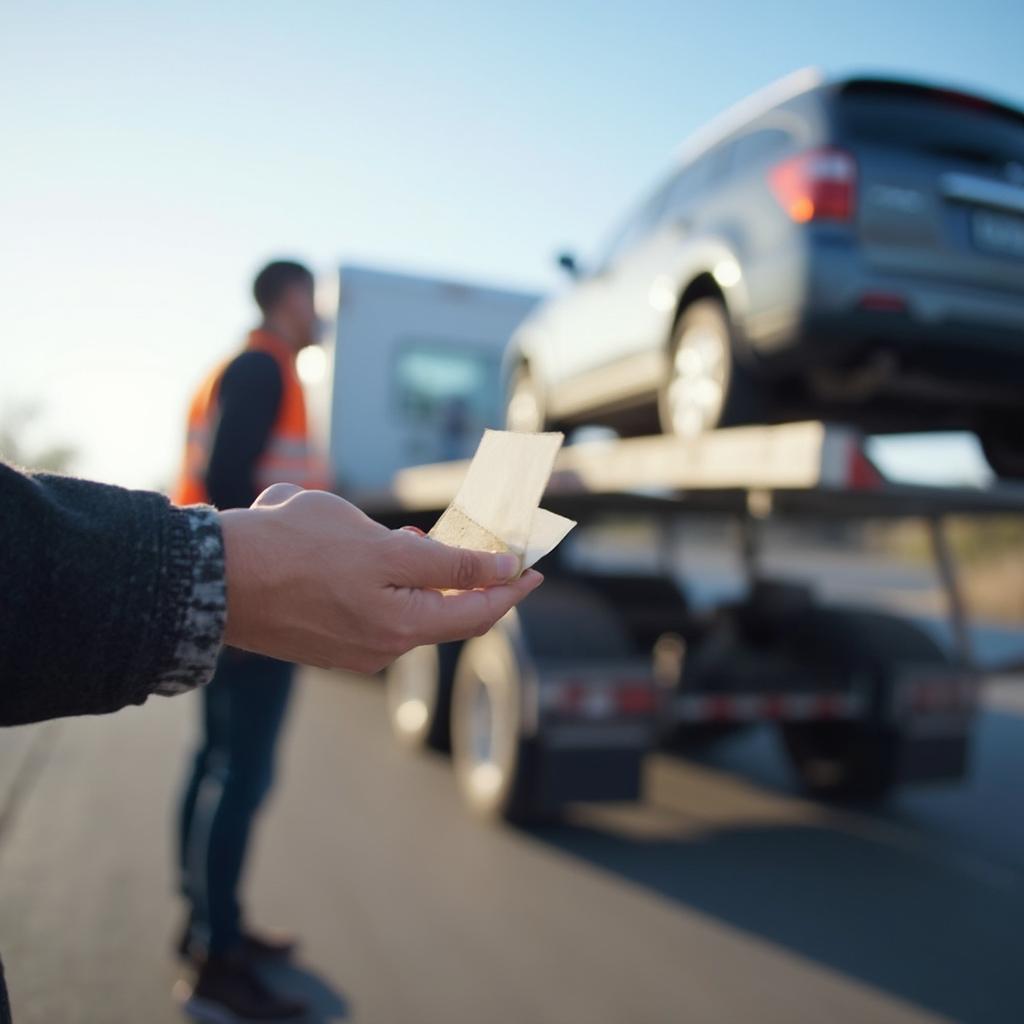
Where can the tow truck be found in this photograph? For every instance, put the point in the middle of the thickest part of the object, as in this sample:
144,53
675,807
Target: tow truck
564,698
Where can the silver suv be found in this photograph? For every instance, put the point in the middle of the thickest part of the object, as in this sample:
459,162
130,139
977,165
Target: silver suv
847,249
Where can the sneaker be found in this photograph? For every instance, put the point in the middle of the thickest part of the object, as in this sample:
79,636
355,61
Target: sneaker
272,945
228,991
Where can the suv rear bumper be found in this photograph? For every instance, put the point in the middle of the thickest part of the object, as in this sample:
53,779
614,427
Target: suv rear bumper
968,339
979,352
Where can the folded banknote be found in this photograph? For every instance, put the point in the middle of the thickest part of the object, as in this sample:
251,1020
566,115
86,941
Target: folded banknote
497,507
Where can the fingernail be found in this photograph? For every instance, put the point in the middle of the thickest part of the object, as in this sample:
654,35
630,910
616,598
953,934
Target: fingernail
508,567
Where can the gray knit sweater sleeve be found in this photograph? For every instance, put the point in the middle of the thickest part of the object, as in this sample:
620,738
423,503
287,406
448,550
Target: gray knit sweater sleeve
106,596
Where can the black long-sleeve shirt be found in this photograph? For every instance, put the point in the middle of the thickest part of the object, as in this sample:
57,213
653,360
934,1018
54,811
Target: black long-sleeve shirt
106,596
248,401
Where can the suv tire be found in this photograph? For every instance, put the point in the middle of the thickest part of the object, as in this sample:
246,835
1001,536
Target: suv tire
1004,448
705,387
524,405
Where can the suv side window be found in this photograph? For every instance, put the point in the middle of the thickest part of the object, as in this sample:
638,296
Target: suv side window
758,148
694,181
636,228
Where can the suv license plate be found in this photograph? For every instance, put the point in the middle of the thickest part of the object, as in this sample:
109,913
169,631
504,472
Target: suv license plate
998,233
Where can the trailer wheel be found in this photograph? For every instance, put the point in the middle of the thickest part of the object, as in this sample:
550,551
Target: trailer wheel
495,765
855,760
499,762
419,694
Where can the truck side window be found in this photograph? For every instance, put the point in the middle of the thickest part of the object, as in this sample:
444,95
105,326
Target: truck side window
445,394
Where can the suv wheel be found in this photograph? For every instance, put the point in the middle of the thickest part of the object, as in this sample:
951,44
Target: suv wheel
705,387
524,410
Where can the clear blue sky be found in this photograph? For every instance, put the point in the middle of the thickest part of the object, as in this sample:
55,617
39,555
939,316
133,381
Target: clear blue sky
155,154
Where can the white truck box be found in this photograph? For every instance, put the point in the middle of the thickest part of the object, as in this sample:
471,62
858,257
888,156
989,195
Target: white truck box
413,377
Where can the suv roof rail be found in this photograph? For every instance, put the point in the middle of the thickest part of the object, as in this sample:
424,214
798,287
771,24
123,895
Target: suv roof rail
757,103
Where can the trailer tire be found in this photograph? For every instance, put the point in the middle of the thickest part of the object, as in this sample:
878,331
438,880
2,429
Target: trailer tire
419,696
495,765
856,760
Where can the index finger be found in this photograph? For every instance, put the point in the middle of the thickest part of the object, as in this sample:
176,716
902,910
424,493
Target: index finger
437,617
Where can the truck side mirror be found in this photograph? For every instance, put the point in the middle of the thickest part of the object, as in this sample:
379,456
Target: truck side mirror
567,261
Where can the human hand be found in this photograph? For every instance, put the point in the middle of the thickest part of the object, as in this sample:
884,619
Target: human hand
312,579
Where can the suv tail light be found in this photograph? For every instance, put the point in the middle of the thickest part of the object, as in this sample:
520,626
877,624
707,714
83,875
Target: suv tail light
817,185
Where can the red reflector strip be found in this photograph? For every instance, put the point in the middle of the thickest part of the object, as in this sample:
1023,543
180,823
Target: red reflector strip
635,700
621,698
599,698
935,696
752,707
720,709
883,302
828,706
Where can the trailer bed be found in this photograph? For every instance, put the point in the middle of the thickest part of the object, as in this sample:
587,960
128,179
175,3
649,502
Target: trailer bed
810,469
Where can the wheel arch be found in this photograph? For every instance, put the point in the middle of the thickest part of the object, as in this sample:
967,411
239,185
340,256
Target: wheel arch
703,286
712,270
526,347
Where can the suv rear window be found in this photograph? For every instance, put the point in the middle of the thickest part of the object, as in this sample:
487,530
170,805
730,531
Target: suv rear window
936,121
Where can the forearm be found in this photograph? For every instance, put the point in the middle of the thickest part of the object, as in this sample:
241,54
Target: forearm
108,596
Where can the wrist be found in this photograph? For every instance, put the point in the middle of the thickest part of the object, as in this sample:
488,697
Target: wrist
243,531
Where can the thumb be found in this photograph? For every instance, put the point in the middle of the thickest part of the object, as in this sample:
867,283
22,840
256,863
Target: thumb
276,494
423,563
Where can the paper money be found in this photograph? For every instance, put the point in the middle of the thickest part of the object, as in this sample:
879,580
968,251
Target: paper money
497,507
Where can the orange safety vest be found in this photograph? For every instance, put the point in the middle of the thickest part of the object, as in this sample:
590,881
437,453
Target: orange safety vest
289,456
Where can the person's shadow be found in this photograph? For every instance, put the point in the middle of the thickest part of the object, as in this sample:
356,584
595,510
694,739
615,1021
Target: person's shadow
871,895
326,1003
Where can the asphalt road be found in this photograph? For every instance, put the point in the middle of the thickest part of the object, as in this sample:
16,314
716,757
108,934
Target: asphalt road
724,897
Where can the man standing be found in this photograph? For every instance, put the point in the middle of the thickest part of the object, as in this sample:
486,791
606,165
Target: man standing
247,430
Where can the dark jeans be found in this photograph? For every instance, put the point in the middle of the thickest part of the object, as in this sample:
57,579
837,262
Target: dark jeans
243,708
5,1008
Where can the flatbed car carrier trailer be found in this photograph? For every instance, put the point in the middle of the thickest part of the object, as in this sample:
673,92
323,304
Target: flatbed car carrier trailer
565,696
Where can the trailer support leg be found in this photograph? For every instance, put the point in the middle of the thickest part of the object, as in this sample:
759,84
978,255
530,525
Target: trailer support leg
946,565
751,524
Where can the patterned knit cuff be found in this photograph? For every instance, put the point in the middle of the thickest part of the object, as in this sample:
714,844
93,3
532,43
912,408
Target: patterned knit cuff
202,629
